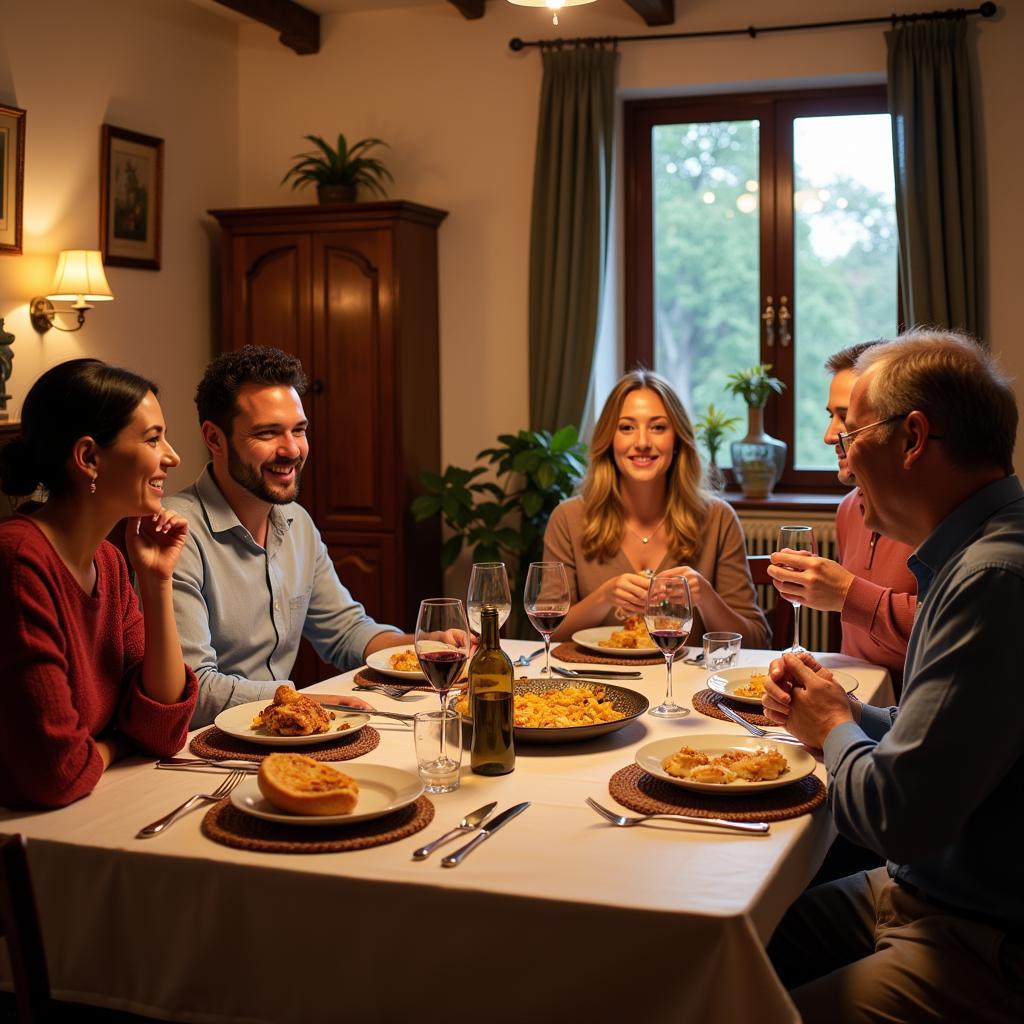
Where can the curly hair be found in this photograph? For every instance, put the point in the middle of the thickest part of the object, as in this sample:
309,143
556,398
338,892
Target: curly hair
75,399
687,500
217,393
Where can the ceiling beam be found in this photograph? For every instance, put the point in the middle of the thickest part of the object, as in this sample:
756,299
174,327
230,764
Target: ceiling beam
299,27
469,8
655,12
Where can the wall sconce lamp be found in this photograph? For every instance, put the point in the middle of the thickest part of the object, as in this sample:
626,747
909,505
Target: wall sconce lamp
79,280
553,5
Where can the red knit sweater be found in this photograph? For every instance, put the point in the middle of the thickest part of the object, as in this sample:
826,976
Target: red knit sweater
72,669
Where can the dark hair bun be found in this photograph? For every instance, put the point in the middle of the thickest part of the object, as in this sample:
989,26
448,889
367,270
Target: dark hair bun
18,473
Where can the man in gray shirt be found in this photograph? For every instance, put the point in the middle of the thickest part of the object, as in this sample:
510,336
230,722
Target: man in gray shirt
933,785
255,575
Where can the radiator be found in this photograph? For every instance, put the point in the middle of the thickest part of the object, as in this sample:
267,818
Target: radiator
762,536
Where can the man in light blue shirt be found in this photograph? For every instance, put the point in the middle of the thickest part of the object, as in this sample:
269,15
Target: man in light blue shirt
934,785
255,575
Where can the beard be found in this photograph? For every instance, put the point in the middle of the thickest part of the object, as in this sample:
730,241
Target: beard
253,481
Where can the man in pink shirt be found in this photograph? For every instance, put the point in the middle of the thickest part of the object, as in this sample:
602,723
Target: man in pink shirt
870,586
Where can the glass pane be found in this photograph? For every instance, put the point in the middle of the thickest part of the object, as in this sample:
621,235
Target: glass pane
706,261
844,231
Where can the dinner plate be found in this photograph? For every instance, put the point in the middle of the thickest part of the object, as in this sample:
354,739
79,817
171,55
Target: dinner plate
726,682
237,721
589,638
381,791
650,756
380,661
629,702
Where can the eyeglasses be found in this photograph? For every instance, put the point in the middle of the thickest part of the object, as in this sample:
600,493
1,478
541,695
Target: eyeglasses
845,439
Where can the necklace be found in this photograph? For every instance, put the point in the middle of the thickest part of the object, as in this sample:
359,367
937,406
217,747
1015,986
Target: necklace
650,536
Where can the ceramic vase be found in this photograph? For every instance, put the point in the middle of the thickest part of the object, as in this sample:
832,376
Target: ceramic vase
758,459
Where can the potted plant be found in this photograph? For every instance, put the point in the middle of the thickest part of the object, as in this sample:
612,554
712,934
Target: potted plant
757,459
503,520
338,172
710,431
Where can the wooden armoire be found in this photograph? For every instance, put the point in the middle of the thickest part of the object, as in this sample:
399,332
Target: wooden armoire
351,289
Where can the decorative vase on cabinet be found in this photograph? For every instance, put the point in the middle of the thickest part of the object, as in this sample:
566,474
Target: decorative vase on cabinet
758,459
352,291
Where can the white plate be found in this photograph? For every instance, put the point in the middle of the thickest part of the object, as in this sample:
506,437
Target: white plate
650,756
380,661
589,638
381,791
727,681
237,721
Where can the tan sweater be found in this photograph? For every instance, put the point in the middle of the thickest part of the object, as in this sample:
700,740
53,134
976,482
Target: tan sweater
721,560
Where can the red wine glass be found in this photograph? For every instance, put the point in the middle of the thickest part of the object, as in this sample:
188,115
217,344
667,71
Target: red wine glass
669,618
442,645
546,599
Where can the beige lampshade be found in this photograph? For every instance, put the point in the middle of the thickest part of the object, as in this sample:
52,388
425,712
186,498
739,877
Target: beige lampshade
552,4
80,277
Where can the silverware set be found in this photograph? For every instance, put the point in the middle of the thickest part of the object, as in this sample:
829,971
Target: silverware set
475,821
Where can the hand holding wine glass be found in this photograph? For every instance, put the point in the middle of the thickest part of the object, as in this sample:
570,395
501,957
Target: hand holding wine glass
669,618
546,599
488,588
442,645
797,538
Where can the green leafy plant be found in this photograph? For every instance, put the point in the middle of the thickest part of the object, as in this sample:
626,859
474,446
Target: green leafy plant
754,385
503,520
711,429
344,165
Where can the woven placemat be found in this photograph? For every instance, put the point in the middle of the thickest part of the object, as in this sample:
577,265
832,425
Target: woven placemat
643,792
367,676
704,702
225,824
570,651
214,743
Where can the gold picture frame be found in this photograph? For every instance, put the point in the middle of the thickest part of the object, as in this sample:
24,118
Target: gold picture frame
12,177
131,198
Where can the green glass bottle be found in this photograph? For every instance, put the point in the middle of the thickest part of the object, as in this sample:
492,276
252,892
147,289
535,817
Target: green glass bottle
493,751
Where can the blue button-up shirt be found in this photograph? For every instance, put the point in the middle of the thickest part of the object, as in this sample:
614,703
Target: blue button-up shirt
937,787
242,608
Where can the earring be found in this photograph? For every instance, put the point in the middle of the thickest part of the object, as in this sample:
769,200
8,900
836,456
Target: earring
92,486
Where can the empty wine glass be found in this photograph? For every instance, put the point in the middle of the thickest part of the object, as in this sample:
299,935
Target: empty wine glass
488,588
546,600
797,538
669,618
442,645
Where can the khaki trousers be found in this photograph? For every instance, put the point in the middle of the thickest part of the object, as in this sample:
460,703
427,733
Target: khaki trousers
864,949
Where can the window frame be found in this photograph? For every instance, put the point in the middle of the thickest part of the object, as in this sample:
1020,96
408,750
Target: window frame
775,111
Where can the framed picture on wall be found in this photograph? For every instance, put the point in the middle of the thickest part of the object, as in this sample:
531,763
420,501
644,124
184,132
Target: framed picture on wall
131,198
12,177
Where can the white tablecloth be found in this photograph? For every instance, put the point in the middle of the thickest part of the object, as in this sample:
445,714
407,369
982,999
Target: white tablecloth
559,917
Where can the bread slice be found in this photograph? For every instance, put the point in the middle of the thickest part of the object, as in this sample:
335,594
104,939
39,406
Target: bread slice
300,785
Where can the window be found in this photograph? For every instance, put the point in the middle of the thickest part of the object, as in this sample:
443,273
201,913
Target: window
760,228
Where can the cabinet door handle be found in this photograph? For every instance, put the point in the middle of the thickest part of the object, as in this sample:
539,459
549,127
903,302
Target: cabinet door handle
785,337
317,386
768,318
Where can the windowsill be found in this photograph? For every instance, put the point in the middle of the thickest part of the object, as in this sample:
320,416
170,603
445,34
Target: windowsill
788,501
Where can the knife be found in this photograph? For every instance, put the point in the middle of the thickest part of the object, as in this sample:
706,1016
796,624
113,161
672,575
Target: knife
485,833
468,824
346,709
192,762
596,673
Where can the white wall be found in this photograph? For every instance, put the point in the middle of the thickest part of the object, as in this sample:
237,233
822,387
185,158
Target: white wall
161,67
459,110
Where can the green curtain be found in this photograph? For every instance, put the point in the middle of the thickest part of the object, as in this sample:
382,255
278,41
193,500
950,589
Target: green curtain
569,228
937,207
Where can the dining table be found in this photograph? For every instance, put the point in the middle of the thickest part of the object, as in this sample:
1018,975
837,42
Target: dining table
559,916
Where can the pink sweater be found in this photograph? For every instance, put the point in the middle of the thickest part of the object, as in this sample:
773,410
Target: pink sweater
878,613
72,672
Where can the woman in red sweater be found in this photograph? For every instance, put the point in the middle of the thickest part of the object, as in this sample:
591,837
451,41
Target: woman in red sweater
87,678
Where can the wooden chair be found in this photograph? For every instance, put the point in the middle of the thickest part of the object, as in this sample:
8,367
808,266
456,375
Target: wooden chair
19,925
779,611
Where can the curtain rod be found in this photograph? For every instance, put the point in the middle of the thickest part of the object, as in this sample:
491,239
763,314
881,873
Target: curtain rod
986,10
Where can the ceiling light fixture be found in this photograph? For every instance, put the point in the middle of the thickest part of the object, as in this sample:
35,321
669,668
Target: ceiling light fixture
553,5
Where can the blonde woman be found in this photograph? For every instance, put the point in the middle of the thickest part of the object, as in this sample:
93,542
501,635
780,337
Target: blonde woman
644,511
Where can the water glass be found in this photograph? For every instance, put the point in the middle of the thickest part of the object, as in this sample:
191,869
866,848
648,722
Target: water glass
721,650
438,736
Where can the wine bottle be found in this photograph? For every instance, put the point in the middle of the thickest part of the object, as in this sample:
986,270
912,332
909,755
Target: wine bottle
490,687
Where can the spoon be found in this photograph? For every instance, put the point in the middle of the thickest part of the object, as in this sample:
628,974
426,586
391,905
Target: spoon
525,659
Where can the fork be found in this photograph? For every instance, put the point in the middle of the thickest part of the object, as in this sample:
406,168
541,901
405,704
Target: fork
625,821
387,689
525,659
754,730
219,793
